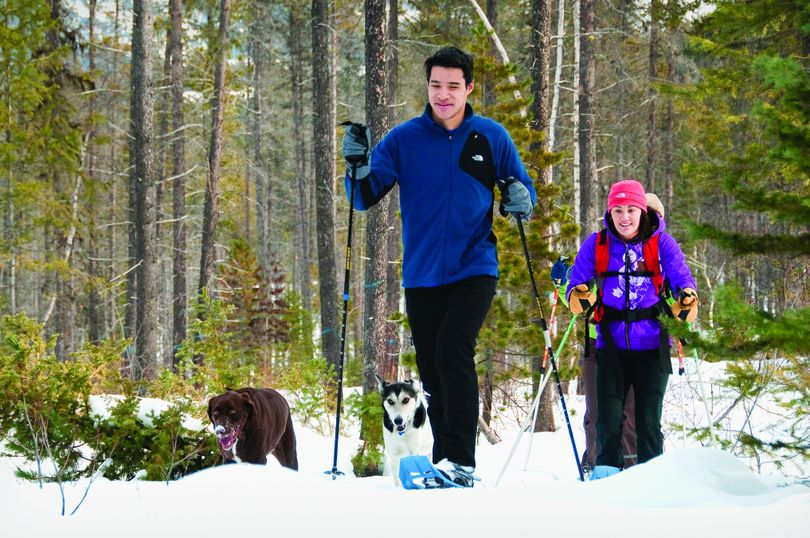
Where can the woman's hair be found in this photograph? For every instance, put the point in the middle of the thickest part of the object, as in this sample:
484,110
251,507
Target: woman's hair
647,224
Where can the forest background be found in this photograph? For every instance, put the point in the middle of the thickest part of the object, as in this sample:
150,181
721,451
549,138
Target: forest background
174,220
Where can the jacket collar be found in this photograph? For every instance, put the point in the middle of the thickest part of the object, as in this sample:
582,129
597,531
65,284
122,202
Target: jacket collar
428,117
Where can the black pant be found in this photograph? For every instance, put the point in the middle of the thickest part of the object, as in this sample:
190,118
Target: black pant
445,321
616,372
588,365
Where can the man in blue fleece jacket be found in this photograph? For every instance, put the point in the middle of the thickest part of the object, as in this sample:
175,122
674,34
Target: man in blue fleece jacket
447,163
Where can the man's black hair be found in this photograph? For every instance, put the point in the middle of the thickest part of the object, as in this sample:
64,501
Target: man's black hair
451,57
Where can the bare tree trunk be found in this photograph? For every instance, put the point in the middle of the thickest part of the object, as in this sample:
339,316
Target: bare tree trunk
179,294
259,171
652,96
489,84
577,202
112,239
303,257
622,106
540,67
555,94
208,253
587,125
94,298
669,137
375,313
323,135
392,279
541,60
145,190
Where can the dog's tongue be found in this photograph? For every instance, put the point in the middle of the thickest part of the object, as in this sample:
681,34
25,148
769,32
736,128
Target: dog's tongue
227,442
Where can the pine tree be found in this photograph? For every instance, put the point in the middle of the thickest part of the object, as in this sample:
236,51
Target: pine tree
754,107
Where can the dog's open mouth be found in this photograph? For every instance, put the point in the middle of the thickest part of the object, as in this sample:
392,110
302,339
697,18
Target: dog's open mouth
226,441
401,429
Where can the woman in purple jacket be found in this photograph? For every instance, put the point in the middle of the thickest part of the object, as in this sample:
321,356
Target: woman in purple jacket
632,349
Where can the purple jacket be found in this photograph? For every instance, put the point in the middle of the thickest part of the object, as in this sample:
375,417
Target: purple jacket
643,334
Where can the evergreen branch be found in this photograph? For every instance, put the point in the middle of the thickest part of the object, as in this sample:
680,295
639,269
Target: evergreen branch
740,244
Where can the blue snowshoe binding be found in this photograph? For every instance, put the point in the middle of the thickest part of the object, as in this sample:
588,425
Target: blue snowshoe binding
417,472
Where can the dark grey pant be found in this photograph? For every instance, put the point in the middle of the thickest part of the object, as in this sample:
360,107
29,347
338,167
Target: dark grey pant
616,372
444,322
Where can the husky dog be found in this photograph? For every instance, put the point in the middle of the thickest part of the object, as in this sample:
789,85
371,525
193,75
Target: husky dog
406,429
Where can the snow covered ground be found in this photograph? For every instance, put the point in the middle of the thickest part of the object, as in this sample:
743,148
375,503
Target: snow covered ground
690,491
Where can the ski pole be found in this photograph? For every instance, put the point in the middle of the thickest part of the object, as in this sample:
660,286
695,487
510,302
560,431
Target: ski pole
683,394
709,419
359,129
544,327
536,402
543,366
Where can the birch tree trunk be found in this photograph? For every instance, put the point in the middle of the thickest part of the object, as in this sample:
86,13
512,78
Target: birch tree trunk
145,190
207,253
555,93
323,136
375,312
179,294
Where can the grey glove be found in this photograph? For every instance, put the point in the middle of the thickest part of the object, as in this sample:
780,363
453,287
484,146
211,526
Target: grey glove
356,145
515,199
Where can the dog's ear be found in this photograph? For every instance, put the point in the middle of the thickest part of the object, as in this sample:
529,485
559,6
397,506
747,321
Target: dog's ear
250,405
417,386
381,384
211,407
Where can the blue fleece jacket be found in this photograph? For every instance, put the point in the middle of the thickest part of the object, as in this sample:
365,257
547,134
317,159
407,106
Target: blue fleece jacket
446,181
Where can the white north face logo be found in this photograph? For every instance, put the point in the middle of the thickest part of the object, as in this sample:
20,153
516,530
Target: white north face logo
478,158
621,195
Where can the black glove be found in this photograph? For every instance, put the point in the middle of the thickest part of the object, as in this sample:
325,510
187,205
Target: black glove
356,144
559,272
515,199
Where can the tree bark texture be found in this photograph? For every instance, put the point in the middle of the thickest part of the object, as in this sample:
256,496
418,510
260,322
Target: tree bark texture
392,280
323,136
179,294
303,257
652,97
210,215
145,191
587,124
540,67
375,312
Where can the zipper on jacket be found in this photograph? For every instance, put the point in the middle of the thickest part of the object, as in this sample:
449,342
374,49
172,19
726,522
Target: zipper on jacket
627,292
447,212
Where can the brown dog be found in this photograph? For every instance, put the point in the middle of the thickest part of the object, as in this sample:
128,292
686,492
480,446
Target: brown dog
251,423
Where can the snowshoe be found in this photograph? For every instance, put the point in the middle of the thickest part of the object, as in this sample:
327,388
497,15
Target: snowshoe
416,472
603,471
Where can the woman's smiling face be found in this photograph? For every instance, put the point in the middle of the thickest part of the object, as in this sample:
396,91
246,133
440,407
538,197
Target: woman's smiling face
626,219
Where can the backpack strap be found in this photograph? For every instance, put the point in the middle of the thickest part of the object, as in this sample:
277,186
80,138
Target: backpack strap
653,264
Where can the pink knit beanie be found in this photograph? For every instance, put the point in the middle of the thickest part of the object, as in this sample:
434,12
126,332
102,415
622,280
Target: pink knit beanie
627,192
